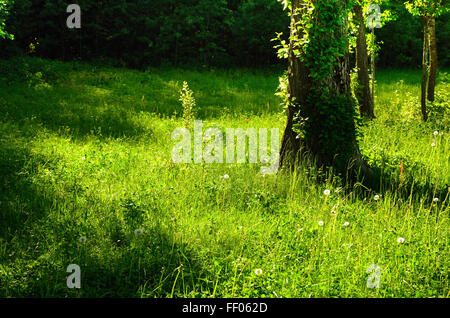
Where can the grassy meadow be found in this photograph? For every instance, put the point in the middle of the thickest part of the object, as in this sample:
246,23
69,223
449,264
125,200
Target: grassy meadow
86,177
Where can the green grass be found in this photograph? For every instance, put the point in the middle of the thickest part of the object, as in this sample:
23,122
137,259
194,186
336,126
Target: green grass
85,151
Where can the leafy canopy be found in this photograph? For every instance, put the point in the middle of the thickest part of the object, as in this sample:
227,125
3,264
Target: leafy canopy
4,7
432,8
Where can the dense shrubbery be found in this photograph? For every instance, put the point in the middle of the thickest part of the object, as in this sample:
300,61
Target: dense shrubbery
212,32
148,32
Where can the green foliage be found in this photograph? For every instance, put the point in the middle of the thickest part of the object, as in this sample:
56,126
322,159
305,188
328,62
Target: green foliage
440,109
282,90
188,103
148,32
402,38
322,41
201,32
5,5
255,23
433,8
189,30
326,120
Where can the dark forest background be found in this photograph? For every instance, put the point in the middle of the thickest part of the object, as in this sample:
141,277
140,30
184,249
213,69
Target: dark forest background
218,33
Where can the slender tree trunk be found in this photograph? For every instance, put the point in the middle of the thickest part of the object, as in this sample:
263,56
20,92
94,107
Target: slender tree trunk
433,60
300,87
372,67
363,93
425,67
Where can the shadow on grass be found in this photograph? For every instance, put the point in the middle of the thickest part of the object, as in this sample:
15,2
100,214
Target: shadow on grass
385,178
405,186
149,265
39,238
20,203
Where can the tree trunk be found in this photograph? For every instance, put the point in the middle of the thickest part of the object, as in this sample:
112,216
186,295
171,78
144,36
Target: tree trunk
425,65
334,89
298,88
433,59
372,67
363,93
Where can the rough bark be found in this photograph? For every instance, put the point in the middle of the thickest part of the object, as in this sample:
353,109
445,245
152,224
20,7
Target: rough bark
425,67
299,87
433,60
363,93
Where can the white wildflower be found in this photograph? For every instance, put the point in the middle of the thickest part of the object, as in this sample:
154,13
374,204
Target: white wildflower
334,209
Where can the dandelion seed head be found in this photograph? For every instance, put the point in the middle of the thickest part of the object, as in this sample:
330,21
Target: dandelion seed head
320,223
346,224
436,133
82,239
376,197
435,200
326,192
258,271
138,232
401,240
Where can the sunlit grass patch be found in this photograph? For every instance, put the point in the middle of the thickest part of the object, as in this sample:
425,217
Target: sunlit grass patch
87,178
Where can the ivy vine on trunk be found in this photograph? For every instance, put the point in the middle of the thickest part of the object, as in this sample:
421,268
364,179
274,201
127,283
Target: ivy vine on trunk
320,107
